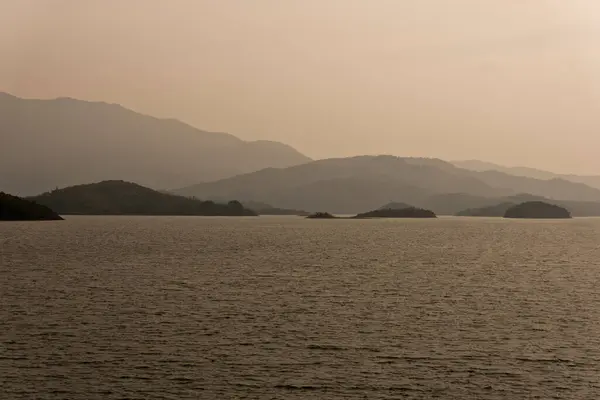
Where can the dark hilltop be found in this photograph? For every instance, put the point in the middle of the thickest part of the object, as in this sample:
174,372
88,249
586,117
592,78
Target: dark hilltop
537,209
410,212
13,208
126,198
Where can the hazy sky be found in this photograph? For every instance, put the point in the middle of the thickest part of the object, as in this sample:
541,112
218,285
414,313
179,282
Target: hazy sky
511,81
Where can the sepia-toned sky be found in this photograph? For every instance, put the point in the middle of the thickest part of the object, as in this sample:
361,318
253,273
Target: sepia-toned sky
514,81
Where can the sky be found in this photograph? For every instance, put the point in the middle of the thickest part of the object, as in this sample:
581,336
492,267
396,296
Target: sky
515,82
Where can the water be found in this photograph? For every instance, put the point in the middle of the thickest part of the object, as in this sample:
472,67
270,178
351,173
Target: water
287,308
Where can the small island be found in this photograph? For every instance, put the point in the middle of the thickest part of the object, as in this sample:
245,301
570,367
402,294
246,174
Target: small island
127,198
13,208
492,211
321,215
537,210
410,212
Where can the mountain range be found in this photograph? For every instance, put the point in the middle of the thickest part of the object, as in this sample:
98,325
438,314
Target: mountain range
63,142
481,166
351,185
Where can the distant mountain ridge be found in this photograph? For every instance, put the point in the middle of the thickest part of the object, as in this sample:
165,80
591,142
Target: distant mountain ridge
481,166
352,185
342,185
64,142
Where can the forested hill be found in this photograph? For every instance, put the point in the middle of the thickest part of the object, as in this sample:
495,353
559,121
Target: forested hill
13,208
126,198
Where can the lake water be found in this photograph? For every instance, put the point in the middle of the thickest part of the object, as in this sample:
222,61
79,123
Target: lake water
288,308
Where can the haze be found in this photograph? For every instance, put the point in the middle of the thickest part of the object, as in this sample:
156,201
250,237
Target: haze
516,82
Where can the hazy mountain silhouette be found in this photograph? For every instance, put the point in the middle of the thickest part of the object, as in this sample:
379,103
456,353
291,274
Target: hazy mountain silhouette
126,198
356,184
63,142
555,187
343,185
476,165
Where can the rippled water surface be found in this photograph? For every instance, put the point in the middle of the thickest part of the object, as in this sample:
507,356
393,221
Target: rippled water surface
288,308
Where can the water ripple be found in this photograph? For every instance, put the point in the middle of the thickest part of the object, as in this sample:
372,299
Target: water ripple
285,308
